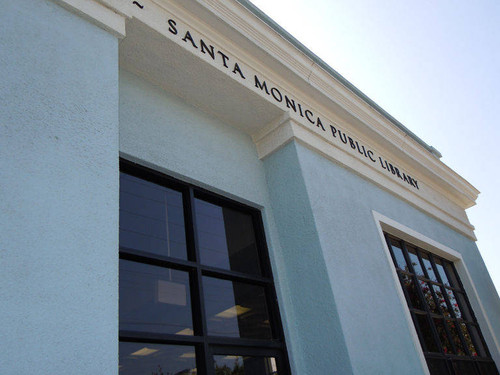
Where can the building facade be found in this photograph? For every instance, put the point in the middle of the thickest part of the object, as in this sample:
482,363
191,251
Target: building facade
187,189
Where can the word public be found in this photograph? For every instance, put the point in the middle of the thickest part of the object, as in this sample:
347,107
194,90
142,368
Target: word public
289,103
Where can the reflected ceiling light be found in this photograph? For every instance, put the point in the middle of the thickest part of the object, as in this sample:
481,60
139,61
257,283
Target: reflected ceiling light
233,312
232,357
274,368
145,351
186,332
188,355
171,293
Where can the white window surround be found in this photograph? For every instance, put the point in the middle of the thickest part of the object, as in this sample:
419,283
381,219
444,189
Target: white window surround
385,224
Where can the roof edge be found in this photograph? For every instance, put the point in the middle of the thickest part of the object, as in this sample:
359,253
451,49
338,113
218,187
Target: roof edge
327,68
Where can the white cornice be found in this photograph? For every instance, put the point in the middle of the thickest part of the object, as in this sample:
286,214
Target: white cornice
99,13
266,38
285,129
262,51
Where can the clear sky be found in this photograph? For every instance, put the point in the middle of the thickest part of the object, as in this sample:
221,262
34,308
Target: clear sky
434,66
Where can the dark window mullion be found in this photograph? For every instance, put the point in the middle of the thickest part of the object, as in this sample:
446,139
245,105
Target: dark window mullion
271,297
421,296
265,263
192,264
158,338
455,321
422,264
233,276
407,257
156,260
467,308
389,245
419,331
199,316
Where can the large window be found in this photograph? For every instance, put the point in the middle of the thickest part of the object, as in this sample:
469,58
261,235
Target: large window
447,328
196,289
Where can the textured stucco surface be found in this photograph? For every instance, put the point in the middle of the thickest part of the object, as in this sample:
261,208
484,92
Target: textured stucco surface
58,192
320,228
59,150
161,130
370,312
318,325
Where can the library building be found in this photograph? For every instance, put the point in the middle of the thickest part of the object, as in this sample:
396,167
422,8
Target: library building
187,189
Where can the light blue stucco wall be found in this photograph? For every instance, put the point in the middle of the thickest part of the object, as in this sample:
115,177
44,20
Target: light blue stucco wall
161,130
59,147
371,315
58,192
338,299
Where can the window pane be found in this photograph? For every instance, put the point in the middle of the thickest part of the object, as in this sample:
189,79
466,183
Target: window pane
445,343
488,368
464,368
452,328
411,289
477,340
454,303
437,366
154,299
236,309
242,365
145,358
412,252
468,340
398,255
426,290
463,306
441,272
440,295
151,218
428,266
452,277
226,238
426,331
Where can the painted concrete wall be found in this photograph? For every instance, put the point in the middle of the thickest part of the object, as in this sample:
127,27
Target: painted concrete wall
318,323
320,227
370,311
161,130
58,192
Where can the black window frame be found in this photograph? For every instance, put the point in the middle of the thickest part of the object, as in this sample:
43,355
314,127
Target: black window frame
206,346
450,360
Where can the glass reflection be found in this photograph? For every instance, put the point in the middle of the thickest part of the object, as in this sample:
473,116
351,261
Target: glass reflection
155,359
415,262
151,218
454,303
451,275
398,255
468,340
154,299
226,238
426,332
455,337
243,365
428,266
438,291
428,296
441,271
236,309
443,336
477,340
411,289
463,306
437,366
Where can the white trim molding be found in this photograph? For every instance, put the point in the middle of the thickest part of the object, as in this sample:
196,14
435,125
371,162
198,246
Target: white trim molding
99,14
242,42
385,224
